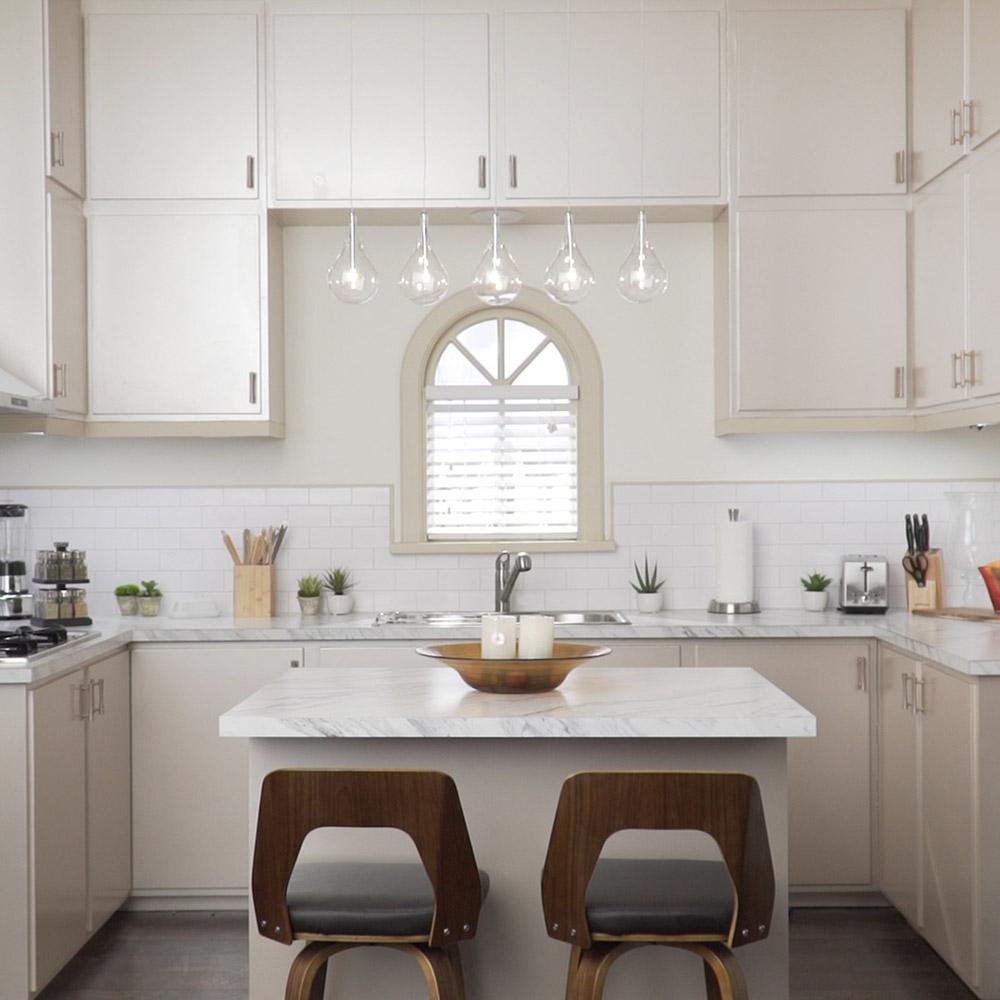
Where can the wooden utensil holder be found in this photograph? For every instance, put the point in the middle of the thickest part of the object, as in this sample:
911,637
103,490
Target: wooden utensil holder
254,591
931,595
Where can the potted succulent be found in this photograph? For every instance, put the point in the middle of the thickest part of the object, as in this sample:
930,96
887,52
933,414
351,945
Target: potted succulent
149,599
647,588
127,596
310,594
815,596
338,584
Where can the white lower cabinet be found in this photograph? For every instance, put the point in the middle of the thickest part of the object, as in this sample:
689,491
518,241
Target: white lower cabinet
79,808
190,786
829,777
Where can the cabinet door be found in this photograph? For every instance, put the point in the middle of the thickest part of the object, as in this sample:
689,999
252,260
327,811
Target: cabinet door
175,315
950,874
984,68
829,777
67,240
172,105
190,786
822,309
313,56
64,56
939,291
600,116
58,822
109,789
937,47
984,267
821,101
899,816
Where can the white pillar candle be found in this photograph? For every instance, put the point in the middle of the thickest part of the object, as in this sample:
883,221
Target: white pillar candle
536,637
499,637
734,562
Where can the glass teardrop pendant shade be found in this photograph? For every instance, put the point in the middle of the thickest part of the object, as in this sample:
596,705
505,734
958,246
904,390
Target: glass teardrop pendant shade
642,277
352,276
497,280
569,277
424,279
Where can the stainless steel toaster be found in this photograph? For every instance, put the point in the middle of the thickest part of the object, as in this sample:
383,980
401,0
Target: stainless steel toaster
864,585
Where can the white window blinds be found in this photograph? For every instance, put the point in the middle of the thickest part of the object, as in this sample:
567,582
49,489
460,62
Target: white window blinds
501,436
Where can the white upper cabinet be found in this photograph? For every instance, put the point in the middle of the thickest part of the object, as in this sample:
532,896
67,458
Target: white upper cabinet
821,102
323,126
573,105
172,105
984,69
67,267
984,275
821,310
175,320
64,56
938,60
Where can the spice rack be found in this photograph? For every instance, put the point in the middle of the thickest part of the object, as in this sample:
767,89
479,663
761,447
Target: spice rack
60,598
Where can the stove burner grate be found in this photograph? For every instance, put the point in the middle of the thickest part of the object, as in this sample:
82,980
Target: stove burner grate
26,640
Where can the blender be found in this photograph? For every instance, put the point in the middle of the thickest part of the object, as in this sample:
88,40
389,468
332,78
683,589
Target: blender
15,598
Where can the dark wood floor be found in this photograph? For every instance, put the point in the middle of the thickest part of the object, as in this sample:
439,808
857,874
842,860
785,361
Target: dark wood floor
835,955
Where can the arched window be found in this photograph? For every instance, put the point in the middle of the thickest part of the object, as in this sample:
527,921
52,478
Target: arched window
501,427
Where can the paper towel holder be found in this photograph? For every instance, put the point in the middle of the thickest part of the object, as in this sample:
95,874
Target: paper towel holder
729,607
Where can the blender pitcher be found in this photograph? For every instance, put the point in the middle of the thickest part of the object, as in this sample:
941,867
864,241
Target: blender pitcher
15,597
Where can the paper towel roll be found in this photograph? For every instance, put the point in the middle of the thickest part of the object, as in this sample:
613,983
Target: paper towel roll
734,562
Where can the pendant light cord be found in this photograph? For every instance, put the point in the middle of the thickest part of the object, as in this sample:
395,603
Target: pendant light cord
423,94
569,102
642,103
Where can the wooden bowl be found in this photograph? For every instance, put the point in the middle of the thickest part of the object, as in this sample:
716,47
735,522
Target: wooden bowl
513,676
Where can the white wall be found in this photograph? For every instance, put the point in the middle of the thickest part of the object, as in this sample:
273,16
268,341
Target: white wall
342,385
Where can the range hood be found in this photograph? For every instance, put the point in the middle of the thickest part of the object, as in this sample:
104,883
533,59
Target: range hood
19,397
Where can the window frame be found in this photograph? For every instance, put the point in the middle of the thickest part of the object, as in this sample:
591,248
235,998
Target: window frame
584,366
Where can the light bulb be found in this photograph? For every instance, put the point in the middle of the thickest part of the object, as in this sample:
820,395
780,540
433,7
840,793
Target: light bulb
497,281
352,276
569,277
642,277
424,279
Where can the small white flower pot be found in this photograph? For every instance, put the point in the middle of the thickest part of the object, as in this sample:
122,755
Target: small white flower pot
815,600
339,604
309,605
649,604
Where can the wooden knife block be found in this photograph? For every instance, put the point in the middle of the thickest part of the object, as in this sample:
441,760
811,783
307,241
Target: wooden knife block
932,595
254,591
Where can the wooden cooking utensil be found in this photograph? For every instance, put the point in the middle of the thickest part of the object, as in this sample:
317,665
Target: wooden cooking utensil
234,555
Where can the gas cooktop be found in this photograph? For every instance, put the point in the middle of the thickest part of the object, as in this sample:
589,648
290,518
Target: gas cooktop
25,643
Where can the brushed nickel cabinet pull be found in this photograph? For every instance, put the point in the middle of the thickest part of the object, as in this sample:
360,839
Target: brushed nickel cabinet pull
899,386
482,172
97,704
56,389
901,167
957,130
907,698
956,380
969,367
919,699
253,388
513,170
57,148
862,664
967,120
250,172
80,702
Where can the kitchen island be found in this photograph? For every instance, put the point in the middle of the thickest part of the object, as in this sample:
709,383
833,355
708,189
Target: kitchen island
509,755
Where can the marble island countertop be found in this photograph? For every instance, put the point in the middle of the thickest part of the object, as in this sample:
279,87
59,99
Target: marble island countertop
596,702
971,648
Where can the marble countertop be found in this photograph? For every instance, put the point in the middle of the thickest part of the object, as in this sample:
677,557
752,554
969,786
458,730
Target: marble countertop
971,648
596,702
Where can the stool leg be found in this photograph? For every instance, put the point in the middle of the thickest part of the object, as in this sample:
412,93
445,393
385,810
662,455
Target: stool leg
307,976
724,979
592,970
442,969
574,965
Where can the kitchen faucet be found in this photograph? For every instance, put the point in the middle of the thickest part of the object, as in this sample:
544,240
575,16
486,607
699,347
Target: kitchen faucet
506,576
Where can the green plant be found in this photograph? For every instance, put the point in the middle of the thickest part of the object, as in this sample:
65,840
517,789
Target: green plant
647,583
127,590
149,589
310,586
339,580
816,582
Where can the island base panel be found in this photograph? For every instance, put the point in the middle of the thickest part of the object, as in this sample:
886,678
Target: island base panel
509,790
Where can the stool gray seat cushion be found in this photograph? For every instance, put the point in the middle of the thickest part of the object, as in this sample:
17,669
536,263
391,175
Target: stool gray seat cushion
675,896
363,899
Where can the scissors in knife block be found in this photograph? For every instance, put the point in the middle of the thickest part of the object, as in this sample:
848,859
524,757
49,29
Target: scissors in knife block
915,564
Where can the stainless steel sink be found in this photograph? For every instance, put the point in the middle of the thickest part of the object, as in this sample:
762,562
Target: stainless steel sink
459,619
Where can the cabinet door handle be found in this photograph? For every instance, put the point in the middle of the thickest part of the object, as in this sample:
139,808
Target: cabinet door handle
899,385
57,149
907,697
957,130
253,388
482,172
919,699
97,704
967,119
80,702
956,379
901,167
58,381
513,170
969,367
250,172
862,664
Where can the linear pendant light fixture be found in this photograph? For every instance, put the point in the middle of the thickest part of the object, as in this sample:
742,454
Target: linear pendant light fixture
352,277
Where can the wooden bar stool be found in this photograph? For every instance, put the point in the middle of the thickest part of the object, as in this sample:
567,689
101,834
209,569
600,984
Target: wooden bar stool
605,907
424,909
